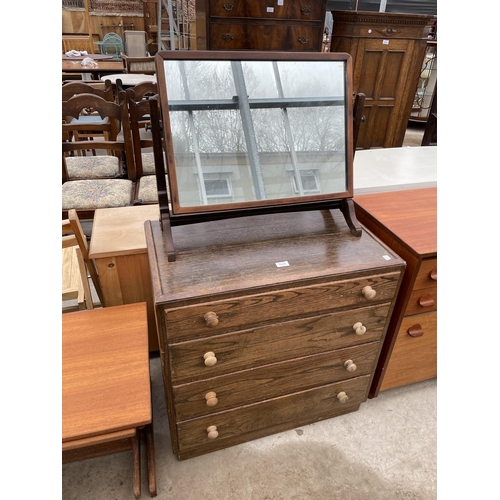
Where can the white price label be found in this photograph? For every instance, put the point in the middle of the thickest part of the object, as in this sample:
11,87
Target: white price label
270,9
282,264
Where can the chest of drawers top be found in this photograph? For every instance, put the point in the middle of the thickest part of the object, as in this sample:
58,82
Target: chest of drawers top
222,259
409,216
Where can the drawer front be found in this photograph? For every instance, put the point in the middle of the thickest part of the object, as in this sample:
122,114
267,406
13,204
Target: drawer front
422,300
186,323
250,386
304,11
271,416
280,342
264,37
378,30
414,357
427,275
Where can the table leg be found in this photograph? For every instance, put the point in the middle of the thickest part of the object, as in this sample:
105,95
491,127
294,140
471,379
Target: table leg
136,450
150,450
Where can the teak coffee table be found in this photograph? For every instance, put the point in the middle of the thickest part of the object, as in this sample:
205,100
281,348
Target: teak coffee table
106,391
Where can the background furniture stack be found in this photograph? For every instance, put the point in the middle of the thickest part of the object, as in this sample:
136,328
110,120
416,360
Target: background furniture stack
260,25
406,221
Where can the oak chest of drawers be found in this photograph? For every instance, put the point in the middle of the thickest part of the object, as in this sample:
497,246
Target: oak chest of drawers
407,222
267,323
291,25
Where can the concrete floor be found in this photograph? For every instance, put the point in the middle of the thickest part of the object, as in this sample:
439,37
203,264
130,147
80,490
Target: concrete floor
384,451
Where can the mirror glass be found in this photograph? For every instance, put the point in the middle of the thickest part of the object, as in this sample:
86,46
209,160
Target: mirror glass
254,132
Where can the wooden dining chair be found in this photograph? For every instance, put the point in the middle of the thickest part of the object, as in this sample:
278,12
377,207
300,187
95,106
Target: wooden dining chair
101,89
140,65
146,191
89,188
73,87
77,266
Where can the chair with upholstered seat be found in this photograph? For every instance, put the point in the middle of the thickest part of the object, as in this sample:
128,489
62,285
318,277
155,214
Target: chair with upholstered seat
79,190
146,191
77,266
143,65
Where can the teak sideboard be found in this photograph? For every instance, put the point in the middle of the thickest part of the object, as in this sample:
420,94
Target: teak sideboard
267,323
407,222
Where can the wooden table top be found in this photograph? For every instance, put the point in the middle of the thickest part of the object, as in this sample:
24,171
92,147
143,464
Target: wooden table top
95,57
130,78
120,231
410,215
394,169
76,66
105,371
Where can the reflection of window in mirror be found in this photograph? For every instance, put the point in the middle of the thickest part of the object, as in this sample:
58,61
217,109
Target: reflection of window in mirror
309,180
218,186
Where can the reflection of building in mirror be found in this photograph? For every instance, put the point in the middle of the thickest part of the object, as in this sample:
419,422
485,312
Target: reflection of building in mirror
228,178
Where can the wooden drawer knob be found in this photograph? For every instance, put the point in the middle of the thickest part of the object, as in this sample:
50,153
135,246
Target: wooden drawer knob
359,328
211,319
211,398
433,275
210,359
350,366
212,432
415,331
426,300
369,292
342,397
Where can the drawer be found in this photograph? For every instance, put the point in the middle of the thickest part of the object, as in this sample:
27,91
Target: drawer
379,30
304,11
250,311
274,343
414,358
422,300
265,37
269,417
427,275
250,386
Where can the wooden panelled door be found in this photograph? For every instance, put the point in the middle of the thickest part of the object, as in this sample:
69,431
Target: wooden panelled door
382,73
